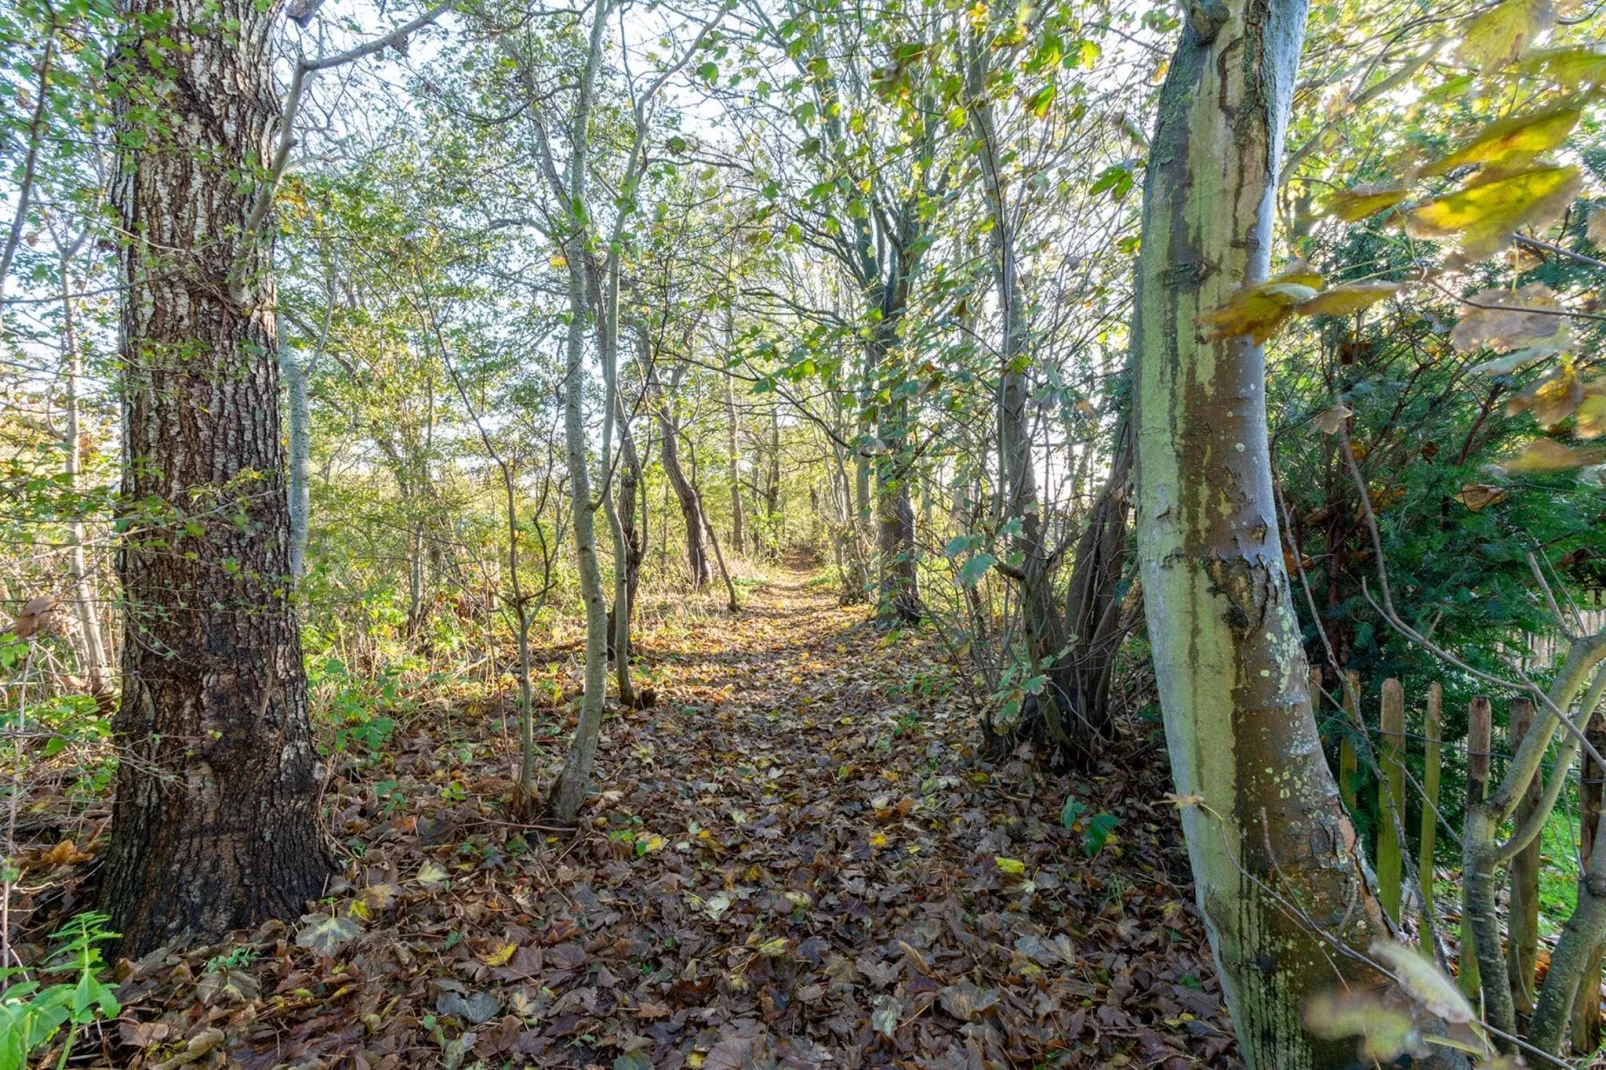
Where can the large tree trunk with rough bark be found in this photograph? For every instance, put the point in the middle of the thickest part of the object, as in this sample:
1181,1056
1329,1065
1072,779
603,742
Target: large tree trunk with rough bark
215,822
1259,807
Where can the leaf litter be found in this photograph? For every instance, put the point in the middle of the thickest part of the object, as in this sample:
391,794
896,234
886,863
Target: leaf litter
797,858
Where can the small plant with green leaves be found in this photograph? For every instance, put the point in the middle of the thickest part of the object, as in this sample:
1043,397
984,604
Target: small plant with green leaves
32,1013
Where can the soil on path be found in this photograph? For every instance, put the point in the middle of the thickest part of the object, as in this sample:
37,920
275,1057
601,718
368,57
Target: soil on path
796,858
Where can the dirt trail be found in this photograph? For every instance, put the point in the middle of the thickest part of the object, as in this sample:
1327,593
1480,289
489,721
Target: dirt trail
797,859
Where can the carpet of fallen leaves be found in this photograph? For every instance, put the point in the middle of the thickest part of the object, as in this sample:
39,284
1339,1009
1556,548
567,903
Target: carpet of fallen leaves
796,858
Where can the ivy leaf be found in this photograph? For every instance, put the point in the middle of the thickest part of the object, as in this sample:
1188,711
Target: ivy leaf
1495,37
326,933
1513,141
1487,212
1038,103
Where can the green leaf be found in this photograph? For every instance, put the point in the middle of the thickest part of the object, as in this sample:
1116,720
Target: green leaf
1097,833
975,569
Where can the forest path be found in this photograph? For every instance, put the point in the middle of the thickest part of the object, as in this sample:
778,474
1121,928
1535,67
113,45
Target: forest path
796,858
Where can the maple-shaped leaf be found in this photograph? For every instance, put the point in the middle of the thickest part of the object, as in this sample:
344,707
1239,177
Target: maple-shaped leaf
1362,201
1497,36
432,877
1423,982
326,933
1589,419
1504,320
1476,496
1513,141
1569,67
381,896
1330,421
1258,310
967,1002
1488,211
888,1012
1387,1032
1552,399
1347,299
1544,455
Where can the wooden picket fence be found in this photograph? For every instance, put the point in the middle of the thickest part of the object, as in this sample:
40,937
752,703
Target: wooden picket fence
1392,743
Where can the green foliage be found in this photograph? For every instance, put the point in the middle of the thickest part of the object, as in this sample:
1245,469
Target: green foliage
33,1013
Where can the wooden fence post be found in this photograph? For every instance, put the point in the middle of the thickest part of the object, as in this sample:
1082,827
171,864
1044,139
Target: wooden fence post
1390,796
1430,809
1522,924
1479,734
1347,765
1586,1007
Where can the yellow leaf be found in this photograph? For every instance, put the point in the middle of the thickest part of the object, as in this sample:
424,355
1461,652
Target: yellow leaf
1544,455
878,839
774,948
1567,67
1552,399
1504,320
1362,201
1513,141
1423,982
1487,212
500,956
1494,38
1477,495
1258,310
1343,300
1329,421
1589,420
1012,866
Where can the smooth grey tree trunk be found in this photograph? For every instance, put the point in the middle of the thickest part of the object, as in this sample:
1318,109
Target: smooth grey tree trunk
1260,811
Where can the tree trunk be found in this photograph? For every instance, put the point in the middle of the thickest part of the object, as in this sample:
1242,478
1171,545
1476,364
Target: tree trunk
295,379
94,654
569,789
1263,818
215,823
1586,1004
702,573
895,515
732,456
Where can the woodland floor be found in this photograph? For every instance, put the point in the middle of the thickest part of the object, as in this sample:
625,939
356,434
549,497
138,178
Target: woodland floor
799,860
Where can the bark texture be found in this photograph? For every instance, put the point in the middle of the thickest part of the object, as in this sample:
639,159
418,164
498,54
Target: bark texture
215,822
1266,822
